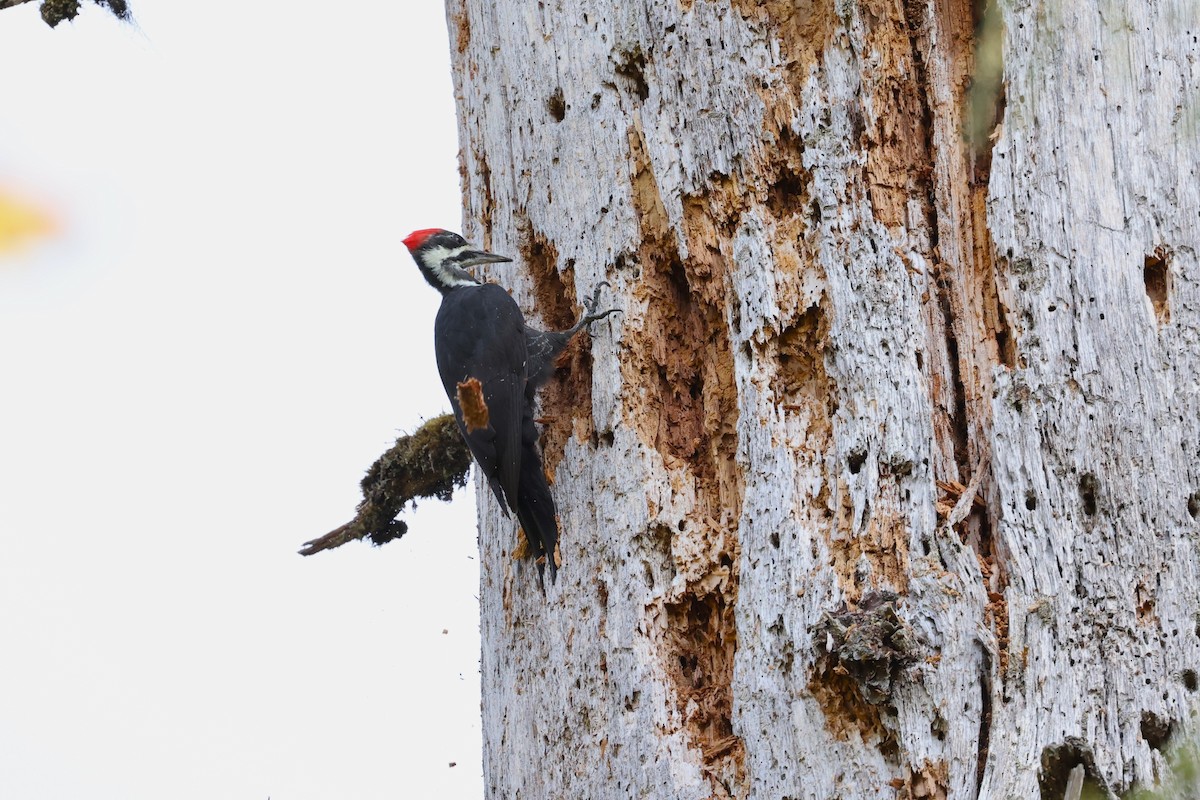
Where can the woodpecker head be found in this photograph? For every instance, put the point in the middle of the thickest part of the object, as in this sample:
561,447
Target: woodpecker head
444,256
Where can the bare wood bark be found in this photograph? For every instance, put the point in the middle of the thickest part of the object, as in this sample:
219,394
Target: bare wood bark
833,302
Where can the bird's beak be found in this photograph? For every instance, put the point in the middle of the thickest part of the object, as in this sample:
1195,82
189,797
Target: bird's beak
473,258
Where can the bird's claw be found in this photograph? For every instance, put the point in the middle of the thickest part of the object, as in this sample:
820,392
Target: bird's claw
589,306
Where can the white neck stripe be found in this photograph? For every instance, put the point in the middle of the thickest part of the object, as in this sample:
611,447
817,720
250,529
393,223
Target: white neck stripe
448,278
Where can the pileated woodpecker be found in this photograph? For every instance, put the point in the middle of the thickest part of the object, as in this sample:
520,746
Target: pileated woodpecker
480,333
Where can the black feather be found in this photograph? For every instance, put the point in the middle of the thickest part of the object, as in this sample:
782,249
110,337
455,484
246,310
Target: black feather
535,505
479,333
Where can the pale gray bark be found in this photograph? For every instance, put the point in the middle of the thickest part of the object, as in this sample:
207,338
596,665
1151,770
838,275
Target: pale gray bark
857,359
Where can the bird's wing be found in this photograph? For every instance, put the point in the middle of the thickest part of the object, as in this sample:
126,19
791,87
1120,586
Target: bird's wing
544,347
480,333
535,505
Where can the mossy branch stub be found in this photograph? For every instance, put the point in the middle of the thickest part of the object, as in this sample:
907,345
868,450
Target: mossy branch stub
432,462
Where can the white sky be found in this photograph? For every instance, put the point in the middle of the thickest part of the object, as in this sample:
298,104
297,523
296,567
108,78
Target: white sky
194,375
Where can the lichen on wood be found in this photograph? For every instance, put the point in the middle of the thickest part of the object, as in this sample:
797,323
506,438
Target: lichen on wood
871,643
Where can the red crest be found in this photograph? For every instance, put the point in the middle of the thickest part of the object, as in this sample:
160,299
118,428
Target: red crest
417,238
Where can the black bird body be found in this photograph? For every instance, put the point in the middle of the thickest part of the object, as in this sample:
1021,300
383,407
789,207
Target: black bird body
481,333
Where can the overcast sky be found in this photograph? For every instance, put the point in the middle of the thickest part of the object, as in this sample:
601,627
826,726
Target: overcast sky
195,372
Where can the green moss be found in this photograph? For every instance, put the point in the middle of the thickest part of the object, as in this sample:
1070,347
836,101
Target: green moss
55,11
432,462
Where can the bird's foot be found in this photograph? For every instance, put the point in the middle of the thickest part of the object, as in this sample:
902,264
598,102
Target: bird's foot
589,306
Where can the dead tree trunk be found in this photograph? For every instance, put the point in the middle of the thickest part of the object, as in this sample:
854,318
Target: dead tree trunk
885,483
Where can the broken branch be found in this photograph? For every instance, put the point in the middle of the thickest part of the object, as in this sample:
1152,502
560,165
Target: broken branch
432,462
474,407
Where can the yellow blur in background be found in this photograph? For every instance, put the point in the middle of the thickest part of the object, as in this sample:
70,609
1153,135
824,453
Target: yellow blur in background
22,222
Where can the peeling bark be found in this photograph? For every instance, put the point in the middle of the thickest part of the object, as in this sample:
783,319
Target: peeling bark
883,346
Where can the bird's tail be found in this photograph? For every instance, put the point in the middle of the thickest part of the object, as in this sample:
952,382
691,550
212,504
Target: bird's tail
535,505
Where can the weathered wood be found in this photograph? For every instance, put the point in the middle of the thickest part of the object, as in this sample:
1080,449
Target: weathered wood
833,301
